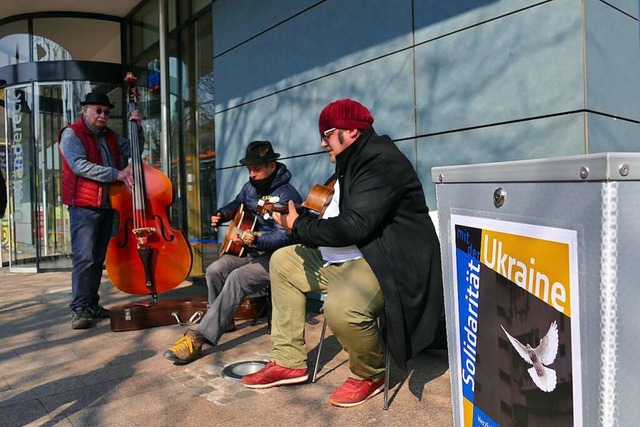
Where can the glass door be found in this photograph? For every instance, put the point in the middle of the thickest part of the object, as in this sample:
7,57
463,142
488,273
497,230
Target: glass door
54,105
37,228
19,136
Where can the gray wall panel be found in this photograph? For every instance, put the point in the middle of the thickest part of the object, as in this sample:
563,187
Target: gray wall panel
629,7
229,183
280,119
435,18
558,136
292,116
613,61
607,134
300,50
523,65
309,170
235,21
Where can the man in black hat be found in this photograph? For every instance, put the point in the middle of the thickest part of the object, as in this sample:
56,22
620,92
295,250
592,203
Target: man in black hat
93,156
231,278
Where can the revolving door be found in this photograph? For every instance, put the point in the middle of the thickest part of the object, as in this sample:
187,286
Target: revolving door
35,230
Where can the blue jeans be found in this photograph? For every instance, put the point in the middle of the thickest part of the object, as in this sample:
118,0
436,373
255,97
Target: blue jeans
91,229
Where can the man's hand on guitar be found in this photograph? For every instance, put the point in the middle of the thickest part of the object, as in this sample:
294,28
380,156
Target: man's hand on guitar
214,221
244,239
286,220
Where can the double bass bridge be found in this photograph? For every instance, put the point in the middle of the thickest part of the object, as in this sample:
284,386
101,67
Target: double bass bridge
143,230
142,234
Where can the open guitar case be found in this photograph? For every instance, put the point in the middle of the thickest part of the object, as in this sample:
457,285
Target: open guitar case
189,311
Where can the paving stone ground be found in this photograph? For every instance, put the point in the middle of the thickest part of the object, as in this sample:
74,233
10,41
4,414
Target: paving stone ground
51,375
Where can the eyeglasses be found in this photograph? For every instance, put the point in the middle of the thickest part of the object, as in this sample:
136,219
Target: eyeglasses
326,134
102,110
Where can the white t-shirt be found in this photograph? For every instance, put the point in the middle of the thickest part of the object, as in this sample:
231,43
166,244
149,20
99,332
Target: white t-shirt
337,255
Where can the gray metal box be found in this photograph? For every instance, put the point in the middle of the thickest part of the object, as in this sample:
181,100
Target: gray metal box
541,291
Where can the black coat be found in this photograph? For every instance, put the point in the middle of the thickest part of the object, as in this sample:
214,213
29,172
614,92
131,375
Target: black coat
383,212
3,195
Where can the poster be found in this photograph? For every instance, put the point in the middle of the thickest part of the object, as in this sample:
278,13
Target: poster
517,323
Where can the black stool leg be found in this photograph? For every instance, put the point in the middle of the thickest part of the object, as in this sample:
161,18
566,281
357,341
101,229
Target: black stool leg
269,311
387,359
315,369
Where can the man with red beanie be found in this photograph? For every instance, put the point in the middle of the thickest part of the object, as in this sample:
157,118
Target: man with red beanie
375,253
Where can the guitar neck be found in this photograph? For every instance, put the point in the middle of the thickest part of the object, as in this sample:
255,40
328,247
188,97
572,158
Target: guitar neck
284,208
239,231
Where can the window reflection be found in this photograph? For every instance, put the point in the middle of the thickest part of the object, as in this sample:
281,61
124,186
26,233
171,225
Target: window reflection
78,39
144,28
14,43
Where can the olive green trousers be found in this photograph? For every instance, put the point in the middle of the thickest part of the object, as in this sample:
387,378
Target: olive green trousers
352,305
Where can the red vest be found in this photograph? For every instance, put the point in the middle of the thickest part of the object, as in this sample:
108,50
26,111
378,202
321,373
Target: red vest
77,190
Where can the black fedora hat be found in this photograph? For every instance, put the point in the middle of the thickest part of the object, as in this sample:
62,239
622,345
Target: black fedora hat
97,98
259,152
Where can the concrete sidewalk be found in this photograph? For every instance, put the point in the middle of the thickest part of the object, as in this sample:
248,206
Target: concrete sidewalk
51,375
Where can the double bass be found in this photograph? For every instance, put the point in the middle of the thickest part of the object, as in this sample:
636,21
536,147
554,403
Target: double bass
147,256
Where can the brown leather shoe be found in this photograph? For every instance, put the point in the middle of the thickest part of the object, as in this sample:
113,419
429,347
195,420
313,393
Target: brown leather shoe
186,349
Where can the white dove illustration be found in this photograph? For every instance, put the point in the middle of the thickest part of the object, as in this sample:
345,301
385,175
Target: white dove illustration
543,354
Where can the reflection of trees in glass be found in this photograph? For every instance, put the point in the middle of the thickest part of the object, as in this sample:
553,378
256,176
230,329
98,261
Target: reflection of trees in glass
205,112
14,49
206,147
48,50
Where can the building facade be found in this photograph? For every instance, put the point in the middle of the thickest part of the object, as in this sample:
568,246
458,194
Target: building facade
451,82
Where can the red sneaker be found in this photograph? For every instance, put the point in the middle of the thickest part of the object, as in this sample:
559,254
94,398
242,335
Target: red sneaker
353,392
273,375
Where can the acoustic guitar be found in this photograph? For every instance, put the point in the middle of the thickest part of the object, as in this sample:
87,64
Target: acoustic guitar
316,203
243,222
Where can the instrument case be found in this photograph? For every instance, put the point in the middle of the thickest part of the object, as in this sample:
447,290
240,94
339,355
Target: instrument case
143,315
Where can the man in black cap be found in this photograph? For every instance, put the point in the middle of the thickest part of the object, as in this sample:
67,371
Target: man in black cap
231,278
93,156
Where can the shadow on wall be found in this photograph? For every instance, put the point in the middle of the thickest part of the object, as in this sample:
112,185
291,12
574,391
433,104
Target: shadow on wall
245,42
455,104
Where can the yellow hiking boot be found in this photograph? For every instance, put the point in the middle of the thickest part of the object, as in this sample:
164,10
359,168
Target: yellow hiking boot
186,349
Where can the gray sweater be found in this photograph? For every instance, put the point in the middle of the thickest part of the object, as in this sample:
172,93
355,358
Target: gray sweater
73,152
75,155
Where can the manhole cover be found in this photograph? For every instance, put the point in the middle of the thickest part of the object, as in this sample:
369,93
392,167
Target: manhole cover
238,370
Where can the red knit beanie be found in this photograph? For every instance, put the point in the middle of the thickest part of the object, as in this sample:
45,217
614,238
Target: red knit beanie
344,114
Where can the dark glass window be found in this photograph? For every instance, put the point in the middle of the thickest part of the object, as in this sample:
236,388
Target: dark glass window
145,30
